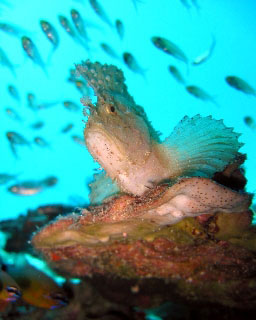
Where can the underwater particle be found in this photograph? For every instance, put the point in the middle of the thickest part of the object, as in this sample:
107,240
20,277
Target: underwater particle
175,72
206,55
13,92
50,33
170,48
121,139
132,63
5,177
200,94
108,50
240,84
71,106
67,128
9,290
15,139
32,52
12,114
4,60
41,142
249,121
119,28
38,289
98,9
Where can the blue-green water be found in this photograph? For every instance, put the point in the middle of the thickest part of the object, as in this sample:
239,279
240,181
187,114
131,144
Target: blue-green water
231,22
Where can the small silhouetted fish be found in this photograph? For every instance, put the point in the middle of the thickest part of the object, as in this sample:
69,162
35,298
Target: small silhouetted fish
249,121
106,48
6,62
206,55
71,31
72,106
135,3
16,139
49,181
29,188
5,177
37,125
47,104
41,142
72,75
79,24
13,92
240,84
12,114
185,3
120,28
200,94
50,33
78,139
100,12
176,74
32,52
67,128
170,48
31,99
26,188
67,26
9,290
82,87
132,64
11,29
195,4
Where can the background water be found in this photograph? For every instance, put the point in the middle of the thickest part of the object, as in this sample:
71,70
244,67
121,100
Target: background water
232,22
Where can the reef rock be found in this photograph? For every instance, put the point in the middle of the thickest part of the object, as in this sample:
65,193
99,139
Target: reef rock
160,216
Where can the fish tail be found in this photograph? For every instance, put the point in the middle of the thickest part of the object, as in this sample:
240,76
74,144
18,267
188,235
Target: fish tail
201,146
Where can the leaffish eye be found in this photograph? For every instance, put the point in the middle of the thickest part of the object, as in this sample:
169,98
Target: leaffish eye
110,109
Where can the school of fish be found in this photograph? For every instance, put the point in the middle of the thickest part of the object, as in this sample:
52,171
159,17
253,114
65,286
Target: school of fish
116,128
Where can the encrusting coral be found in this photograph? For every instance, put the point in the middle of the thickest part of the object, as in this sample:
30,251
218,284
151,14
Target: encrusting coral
156,210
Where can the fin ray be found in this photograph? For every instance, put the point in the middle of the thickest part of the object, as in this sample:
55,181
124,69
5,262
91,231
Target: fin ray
201,145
